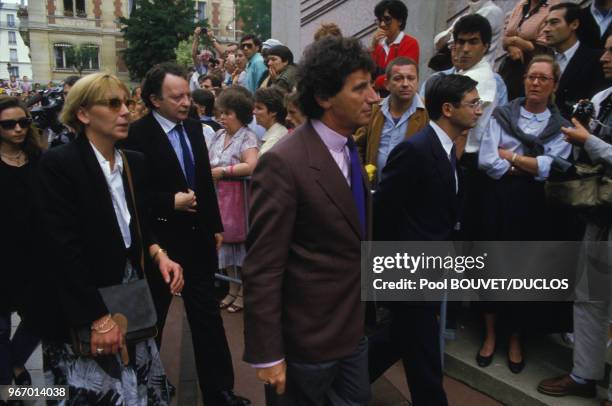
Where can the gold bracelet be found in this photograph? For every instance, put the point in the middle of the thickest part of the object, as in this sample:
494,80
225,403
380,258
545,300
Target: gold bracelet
157,253
102,324
107,330
514,156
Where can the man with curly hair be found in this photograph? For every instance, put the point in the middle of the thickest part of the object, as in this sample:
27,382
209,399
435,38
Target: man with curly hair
304,319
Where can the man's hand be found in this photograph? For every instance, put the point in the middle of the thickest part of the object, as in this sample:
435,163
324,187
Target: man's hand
516,53
218,240
576,136
171,272
185,201
197,31
275,375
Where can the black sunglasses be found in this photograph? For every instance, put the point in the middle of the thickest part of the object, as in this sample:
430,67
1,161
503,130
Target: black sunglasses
248,46
11,124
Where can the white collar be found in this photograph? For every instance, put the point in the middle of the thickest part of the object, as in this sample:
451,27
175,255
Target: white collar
396,41
483,74
166,125
545,115
445,140
105,164
569,53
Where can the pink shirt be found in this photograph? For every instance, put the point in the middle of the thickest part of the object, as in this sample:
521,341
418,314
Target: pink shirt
336,144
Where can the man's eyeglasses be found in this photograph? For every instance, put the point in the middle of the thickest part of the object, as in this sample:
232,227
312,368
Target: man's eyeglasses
11,124
114,103
477,105
386,19
246,46
542,79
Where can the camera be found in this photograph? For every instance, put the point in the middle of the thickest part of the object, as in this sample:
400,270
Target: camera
46,115
583,111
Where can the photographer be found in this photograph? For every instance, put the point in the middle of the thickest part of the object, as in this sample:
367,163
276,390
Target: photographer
46,106
591,318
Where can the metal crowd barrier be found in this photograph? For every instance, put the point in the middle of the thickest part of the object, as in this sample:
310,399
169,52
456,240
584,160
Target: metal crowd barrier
246,181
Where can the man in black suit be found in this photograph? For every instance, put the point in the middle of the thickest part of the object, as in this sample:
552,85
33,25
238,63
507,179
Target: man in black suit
581,72
186,220
419,199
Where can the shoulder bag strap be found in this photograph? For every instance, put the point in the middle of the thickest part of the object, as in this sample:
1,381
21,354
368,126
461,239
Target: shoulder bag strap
128,174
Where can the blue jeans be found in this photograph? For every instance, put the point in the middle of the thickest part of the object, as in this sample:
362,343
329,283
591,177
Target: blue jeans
15,352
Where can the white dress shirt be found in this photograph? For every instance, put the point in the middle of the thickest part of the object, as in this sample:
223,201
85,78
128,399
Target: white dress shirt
447,144
487,90
114,181
563,58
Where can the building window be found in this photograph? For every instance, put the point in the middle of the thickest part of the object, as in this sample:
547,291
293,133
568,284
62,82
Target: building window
12,37
60,55
13,53
92,61
74,8
201,13
10,20
13,71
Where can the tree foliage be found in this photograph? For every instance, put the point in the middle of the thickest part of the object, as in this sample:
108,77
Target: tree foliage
153,32
80,57
256,16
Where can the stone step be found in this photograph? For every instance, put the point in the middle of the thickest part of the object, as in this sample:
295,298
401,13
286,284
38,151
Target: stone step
545,357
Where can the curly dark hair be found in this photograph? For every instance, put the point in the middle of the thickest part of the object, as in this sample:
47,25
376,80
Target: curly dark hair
324,68
32,143
239,100
273,99
154,79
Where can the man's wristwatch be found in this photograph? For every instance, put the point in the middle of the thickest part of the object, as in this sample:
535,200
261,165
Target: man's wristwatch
223,171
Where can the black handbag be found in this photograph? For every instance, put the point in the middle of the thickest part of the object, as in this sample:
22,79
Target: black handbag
132,299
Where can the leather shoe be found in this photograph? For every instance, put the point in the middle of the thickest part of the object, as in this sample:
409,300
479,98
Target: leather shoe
565,385
229,398
483,361
516,367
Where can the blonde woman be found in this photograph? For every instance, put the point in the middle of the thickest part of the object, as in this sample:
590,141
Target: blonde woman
86,206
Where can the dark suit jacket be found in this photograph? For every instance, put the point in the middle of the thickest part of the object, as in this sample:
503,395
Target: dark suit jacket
302,270
416,199
582,78
167,178
85,243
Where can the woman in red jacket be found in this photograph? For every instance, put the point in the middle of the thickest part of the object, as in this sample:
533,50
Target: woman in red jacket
389,40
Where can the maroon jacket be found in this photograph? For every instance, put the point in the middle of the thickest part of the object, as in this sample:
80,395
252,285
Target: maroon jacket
302,270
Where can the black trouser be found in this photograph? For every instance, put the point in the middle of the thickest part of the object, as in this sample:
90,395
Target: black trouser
212,355
413,337
342,382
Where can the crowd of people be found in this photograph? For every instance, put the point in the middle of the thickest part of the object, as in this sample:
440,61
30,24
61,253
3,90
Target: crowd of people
271,173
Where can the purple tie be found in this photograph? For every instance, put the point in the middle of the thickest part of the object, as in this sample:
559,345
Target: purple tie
357,183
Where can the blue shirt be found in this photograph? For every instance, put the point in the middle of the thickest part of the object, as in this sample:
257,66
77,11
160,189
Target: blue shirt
603,18
393,132
173,137
255,70
532,124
